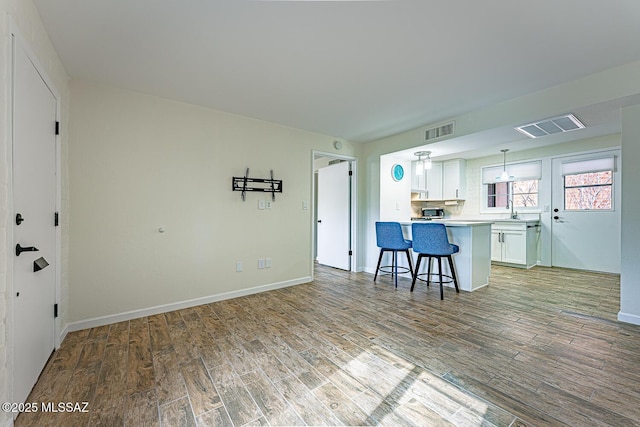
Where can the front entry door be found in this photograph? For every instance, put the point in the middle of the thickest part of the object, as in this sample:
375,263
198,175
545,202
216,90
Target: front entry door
34,202
585,217
334,216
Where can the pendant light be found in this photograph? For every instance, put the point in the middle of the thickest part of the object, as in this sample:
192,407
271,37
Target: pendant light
423,164
504,176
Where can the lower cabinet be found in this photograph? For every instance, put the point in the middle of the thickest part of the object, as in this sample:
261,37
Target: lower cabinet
515,243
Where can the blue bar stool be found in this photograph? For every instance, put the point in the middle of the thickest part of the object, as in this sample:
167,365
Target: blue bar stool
389,238
430,240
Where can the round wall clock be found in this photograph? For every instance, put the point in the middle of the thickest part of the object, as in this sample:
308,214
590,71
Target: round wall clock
397,172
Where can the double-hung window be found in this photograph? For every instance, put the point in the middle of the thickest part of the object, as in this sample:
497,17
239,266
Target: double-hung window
520,189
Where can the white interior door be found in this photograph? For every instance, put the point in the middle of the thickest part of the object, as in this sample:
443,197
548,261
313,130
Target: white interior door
34,199
585,224
334,217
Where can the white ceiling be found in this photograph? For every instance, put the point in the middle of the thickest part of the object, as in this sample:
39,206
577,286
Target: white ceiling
358,70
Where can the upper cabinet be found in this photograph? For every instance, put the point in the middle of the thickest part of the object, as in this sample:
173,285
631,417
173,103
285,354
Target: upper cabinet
428,184
454,185
444,181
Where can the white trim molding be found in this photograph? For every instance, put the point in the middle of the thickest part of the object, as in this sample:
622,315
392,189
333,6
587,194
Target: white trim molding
634,319
158,309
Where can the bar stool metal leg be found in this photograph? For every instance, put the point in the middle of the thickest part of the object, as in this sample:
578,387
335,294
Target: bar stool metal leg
453,273
378,266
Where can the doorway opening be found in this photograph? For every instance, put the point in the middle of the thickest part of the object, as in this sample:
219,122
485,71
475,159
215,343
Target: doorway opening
334,210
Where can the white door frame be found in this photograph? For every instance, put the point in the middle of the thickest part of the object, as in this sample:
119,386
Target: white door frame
16,39
315,154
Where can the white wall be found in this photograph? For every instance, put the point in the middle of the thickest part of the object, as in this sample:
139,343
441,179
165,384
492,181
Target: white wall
395,196
22,16
630,248
138,163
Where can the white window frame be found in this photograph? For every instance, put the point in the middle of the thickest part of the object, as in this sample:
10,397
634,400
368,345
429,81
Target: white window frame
486,178
596,164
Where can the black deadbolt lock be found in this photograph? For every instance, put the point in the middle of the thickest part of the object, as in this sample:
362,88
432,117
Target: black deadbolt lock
19,219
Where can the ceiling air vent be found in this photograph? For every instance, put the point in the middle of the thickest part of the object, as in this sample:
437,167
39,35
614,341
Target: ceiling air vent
559,124
438,131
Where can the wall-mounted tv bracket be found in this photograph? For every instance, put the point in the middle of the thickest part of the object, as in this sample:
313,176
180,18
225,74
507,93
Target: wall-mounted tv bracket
263,185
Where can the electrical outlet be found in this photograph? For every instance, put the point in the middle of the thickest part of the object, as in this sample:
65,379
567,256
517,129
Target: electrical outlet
261,263
267,262
239,266
268,204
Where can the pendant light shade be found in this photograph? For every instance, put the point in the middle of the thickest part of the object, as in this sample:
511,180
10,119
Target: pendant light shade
504,176
423,164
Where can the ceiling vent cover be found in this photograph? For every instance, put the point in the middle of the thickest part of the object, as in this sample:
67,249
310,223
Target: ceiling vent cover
439,131
560,124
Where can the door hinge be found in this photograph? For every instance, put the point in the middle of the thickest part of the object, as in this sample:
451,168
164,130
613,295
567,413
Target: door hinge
55,310
57,128
56,219
350,253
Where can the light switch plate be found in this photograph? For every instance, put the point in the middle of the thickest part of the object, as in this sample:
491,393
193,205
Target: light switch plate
261,204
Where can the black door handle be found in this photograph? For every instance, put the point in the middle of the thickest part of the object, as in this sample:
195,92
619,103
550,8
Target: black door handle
319,220
19,219
556,217
556,210
20,249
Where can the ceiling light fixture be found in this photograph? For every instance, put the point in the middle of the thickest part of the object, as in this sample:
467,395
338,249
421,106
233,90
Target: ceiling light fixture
423,164
504,176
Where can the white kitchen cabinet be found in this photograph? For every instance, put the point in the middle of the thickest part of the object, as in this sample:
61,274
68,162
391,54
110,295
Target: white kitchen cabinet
454,179
428,185
515,243
417,181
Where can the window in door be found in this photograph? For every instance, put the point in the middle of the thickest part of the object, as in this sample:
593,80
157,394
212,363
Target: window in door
588,184
588,191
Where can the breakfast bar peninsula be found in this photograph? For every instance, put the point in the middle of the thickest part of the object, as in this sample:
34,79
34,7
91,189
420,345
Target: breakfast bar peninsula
473,262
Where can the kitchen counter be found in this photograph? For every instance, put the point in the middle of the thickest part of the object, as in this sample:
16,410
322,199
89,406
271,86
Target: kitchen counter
518,221
474,222
473,262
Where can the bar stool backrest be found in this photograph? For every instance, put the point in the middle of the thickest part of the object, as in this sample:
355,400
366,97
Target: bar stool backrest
389,236
431,238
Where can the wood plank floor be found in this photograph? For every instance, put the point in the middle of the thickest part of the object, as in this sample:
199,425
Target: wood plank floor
536,348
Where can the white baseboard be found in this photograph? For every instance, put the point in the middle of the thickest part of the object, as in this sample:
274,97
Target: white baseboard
134,314
634,319
63,334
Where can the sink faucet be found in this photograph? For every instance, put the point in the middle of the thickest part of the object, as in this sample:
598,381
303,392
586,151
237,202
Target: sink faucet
514,215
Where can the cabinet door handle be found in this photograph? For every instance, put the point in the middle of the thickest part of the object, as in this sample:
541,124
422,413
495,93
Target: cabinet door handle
456,193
